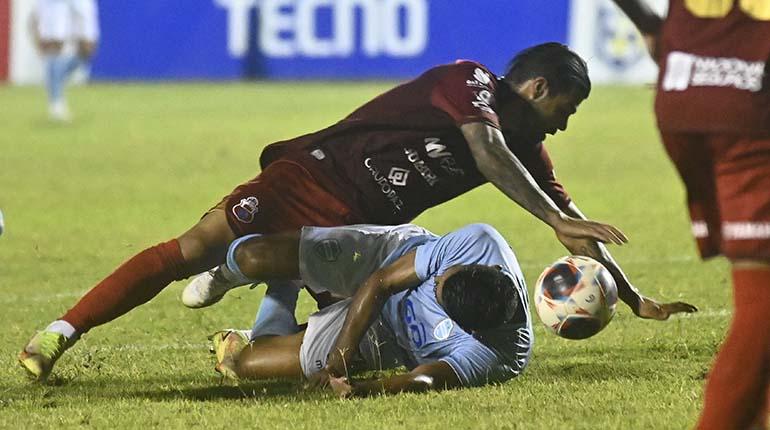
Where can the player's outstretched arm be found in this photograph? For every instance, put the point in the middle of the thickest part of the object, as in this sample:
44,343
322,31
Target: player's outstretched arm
643,307
501,167
432,376
365,306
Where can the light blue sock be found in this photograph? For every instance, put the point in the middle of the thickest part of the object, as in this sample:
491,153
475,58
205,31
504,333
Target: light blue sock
55,77
73,63
275,316
234,273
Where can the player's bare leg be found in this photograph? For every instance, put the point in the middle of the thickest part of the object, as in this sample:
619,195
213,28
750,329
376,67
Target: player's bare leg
133,283
271,357
250,259
738,381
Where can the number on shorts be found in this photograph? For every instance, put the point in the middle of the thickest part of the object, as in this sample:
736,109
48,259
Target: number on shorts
757,9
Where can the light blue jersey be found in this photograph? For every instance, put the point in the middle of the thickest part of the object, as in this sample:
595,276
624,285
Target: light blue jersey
413,328
424,332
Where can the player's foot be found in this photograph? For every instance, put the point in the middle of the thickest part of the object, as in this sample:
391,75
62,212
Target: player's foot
207,289
41,352
59,112
227,345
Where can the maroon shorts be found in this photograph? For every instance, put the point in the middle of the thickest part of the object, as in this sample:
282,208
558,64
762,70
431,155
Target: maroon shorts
728,191
284,197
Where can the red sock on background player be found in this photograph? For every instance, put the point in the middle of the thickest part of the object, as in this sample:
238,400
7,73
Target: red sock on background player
737,384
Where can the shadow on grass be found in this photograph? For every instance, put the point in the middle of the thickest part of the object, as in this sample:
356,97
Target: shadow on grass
269,390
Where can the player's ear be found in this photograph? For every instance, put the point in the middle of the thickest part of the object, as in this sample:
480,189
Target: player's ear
540,88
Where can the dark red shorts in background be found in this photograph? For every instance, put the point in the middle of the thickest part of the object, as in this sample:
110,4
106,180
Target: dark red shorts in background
728,191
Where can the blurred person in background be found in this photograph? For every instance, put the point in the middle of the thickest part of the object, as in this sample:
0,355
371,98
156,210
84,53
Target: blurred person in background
54,23
713,112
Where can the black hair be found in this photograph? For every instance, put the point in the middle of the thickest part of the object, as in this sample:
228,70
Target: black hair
479,297
564,70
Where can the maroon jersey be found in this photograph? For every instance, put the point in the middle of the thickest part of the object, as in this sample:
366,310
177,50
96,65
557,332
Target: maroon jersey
403,152
714,67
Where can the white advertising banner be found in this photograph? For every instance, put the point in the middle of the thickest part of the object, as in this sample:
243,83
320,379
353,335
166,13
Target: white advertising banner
26,65
609,42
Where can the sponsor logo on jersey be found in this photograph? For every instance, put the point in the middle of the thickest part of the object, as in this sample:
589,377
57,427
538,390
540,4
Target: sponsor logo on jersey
398,176
443,329
246,209
481,79
482,76
685,70
385,187
436,150
328,249
414,157
483,100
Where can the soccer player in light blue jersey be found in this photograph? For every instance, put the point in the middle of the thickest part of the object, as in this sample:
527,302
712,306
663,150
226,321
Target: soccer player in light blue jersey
55,23
452,309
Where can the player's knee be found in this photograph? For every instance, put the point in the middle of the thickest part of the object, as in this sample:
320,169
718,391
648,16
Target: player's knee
253,256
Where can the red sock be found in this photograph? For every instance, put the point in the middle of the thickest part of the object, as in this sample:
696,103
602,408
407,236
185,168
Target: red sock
133,283
735,392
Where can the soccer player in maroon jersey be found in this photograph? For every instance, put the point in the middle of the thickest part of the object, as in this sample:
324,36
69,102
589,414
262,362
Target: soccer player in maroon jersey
420,144
713,111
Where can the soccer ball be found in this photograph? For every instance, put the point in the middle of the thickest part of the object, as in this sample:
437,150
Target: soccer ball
575,297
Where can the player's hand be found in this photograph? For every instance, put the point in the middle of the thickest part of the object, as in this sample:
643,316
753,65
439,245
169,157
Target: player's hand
341,387
319,380
651,309
572,232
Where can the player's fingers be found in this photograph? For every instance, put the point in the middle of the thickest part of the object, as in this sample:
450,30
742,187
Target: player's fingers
679,307
616,236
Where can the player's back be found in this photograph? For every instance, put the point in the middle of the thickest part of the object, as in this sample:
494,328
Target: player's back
714,57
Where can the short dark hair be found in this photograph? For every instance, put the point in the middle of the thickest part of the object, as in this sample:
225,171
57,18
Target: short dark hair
564,70
479,297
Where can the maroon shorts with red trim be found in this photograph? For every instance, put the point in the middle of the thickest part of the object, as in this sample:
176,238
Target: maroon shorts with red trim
728,191
284,197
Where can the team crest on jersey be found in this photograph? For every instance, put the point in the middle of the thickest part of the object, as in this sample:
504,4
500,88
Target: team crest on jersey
328,249
443,329
246,209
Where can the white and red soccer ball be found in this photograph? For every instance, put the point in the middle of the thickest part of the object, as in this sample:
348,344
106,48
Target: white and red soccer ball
575,297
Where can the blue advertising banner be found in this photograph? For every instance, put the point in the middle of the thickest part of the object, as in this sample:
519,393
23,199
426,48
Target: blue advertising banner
315,39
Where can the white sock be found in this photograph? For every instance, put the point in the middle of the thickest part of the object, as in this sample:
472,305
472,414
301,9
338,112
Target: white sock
64,328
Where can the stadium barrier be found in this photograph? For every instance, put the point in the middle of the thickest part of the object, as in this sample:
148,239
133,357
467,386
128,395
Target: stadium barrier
331,39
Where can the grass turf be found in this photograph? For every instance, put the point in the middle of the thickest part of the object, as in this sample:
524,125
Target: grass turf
141,163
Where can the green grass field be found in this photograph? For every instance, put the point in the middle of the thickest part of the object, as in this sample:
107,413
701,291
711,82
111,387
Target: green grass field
141,163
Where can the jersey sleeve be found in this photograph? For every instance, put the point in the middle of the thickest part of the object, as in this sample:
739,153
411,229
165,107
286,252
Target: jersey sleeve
477,364
466,92
464,246
539,165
